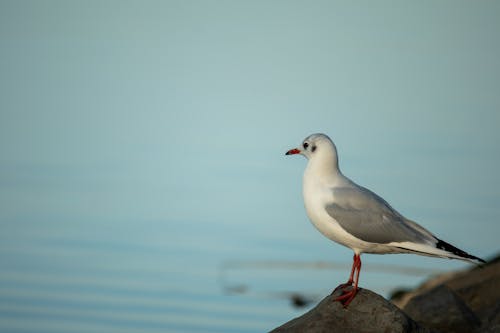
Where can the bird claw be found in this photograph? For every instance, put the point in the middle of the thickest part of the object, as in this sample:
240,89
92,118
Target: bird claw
347,296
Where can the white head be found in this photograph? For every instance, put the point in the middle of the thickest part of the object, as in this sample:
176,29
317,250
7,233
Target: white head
319,150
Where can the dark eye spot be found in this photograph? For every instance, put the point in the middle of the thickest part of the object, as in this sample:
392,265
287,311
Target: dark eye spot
313,148
305,145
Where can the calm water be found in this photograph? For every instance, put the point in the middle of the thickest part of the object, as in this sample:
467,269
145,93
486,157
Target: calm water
143,182
80,252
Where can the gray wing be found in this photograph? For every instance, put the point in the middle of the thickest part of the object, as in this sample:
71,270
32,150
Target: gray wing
368,217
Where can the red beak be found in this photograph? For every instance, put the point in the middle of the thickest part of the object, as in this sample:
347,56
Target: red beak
293,151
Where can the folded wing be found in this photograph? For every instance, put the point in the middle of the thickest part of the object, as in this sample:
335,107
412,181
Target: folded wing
370,218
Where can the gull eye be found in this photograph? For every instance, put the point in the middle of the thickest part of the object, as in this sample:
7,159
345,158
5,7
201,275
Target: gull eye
305,145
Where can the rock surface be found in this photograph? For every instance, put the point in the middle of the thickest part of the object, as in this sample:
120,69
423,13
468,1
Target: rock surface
442,309
367,313
466,301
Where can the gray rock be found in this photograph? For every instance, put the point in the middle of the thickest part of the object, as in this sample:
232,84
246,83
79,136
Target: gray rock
367,313
474,290
443,310
479,289
491,324
466,301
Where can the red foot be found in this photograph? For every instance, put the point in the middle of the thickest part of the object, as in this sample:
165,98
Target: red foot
347,297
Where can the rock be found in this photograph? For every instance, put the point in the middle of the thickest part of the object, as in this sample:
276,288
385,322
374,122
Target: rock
476,286
492,323
479,288
475,290
443,310
466,301
367,313
402,296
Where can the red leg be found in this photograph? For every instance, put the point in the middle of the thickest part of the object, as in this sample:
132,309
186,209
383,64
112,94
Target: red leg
350,281
348,296
353,269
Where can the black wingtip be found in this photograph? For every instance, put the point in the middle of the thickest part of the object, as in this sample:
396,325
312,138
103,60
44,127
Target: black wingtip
456,251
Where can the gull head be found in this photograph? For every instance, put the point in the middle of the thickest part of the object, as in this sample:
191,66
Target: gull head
321,153
315,145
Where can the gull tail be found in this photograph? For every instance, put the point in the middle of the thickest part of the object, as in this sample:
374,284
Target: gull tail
459,254
432,246
437,248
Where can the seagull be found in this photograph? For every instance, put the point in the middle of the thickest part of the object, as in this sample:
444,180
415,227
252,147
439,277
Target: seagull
357,218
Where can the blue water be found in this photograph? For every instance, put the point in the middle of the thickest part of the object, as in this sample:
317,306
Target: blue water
72,261
143,182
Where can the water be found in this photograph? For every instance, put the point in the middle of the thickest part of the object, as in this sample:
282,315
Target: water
72,261
143,182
